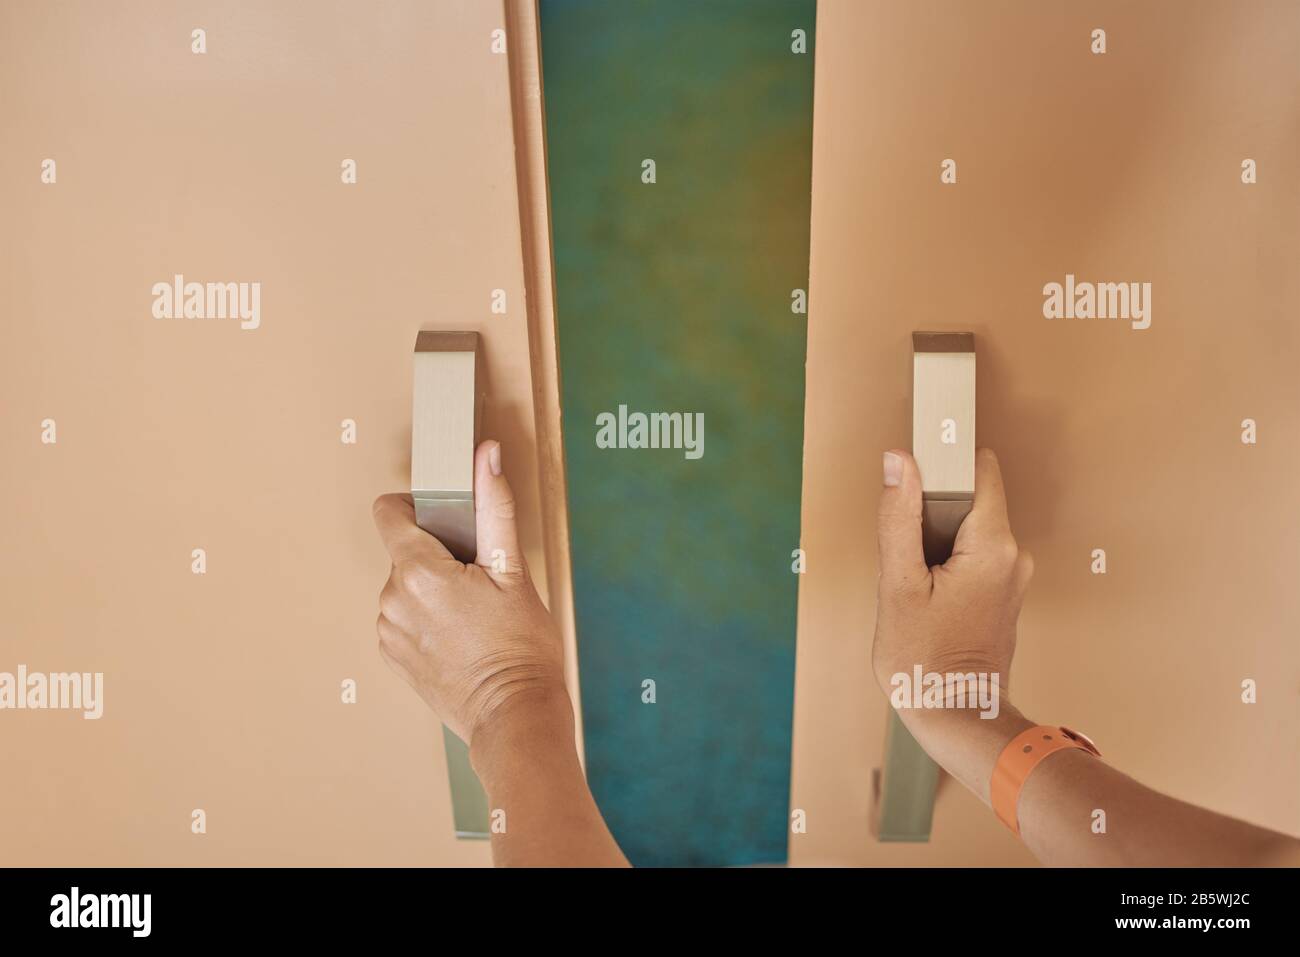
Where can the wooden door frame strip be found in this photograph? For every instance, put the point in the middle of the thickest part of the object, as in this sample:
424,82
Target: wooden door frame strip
524,54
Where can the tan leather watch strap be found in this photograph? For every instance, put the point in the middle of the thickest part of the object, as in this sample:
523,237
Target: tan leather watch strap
1020,757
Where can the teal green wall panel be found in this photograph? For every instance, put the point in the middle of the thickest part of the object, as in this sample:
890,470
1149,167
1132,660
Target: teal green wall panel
676,297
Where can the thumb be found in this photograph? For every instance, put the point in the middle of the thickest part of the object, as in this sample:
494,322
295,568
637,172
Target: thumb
902,559
494,515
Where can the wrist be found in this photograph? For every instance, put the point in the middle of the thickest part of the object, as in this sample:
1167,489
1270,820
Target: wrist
963,742
533,726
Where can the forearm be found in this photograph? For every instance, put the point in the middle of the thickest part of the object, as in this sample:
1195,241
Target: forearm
528,763
1144,828
1057,803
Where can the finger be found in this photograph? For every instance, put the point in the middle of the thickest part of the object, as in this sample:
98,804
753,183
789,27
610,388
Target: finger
988,515
395,648
407,542
392,637
494,515
393,607
1024,571
395,645
902,559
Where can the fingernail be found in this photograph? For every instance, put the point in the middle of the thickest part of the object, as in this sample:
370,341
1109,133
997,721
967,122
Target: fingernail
494,458
893,469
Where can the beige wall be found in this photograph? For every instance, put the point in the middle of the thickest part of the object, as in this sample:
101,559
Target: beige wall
1119,167
223,690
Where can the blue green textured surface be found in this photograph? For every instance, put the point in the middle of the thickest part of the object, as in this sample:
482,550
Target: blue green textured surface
676,297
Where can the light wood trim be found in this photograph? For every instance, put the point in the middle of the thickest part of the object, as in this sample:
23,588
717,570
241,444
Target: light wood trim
523,39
